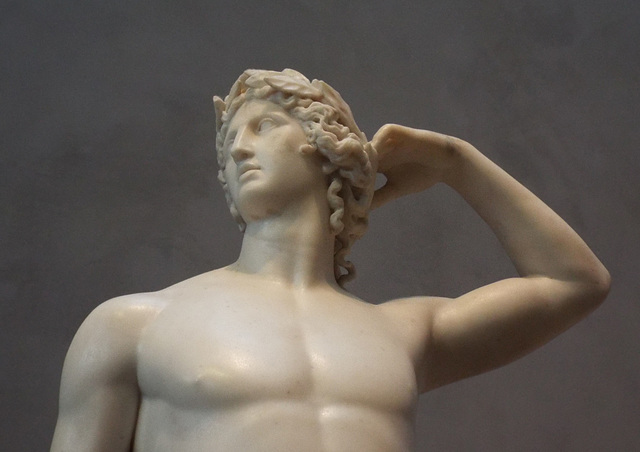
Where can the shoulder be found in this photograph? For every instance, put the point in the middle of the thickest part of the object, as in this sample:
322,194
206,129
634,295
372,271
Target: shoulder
125,314
214,280
412,317
99,391
106,342
417,308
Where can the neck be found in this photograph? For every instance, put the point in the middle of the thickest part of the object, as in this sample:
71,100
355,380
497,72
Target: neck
294,248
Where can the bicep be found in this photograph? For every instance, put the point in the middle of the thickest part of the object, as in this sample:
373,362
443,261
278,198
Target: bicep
496,324
99,395
103,420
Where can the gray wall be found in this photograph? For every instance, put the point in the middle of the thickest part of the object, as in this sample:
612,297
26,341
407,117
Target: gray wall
108,179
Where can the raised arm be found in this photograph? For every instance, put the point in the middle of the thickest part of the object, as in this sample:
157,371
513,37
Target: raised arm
99,395
561,279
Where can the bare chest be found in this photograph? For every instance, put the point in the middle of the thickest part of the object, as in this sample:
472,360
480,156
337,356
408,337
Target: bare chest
235,350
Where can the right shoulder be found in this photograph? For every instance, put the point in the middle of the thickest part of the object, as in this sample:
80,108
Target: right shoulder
127,312
106,343
99,392
124,316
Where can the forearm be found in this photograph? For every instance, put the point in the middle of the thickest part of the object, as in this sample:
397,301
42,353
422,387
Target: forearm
536,239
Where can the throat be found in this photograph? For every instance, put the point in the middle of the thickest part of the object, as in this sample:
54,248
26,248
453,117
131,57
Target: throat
295,255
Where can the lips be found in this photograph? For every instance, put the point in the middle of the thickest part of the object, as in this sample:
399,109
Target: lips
245,168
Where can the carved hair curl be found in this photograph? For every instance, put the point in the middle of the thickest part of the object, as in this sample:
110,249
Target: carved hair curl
331,129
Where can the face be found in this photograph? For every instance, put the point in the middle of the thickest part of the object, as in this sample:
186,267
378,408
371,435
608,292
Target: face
269,166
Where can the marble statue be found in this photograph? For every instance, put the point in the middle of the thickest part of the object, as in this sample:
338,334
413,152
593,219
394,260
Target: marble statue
272,353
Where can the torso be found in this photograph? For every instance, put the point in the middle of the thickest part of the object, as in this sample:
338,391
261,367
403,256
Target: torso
238,363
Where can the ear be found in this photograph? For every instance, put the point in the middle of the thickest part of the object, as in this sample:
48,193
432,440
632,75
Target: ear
307,149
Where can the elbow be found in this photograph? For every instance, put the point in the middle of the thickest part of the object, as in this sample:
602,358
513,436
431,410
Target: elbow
598,285
604,284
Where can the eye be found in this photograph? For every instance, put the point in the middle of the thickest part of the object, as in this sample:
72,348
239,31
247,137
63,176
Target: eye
266,124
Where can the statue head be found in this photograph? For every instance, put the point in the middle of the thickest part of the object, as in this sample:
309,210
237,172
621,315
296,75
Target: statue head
348,159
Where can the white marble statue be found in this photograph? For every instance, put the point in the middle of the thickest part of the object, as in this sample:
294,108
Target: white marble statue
271,353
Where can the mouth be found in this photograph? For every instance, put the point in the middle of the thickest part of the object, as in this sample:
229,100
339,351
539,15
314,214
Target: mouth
247,168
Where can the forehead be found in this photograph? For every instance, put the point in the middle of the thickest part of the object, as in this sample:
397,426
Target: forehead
256,108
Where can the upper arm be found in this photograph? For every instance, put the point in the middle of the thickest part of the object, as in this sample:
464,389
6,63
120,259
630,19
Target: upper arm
99,394
496,324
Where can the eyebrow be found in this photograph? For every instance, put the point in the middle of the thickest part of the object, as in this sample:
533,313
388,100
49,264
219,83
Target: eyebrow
282,116
273,114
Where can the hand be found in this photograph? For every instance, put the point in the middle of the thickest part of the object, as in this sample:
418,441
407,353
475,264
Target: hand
412,160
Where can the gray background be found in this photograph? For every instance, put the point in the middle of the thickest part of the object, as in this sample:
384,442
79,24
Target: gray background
108,179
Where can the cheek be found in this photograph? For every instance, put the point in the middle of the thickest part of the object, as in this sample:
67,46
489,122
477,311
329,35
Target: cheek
230,179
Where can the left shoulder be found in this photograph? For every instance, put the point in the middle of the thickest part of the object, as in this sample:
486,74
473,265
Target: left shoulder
416,308
412,317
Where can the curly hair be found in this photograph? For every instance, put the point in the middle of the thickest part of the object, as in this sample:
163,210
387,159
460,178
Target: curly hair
349,159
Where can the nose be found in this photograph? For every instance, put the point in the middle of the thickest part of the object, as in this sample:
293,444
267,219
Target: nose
242,147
